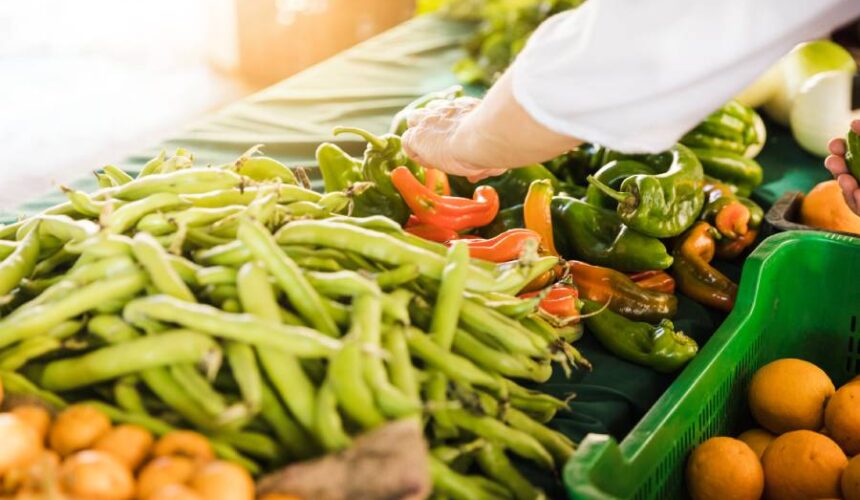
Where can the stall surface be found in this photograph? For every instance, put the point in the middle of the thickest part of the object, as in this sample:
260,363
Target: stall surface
364,87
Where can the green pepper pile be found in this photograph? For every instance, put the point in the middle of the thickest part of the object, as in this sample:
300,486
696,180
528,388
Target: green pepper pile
234,301
642,214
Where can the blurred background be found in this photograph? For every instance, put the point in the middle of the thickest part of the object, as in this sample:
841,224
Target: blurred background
88,82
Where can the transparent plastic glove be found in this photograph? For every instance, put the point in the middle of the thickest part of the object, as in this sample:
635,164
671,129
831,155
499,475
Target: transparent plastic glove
431,138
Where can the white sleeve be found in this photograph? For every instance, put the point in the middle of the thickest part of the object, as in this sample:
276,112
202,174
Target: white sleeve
635,75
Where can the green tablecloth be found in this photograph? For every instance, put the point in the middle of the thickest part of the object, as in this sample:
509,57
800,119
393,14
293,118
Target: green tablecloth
365,86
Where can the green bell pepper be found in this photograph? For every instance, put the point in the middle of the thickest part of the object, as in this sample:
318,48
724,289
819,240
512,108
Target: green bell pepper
511,186
660,347
744,174
660,205
339,170
592,234
613,174
398,123
852,153
383,154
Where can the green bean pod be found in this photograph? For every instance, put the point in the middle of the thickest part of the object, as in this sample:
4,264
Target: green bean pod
154,259
286,193
494,463
19,264
232,254
118,176
252,443
397,276
509,365
288,431
346,374
449,299
453,366
559,445
14,383
216,275
304,298
111,329
495,431
367,327
461,487
178,346
16,357
125,217
186,181
297,340
327,424
263,168
152,166
400,366
25,323
198,388
284,371
127,396
243,364
165,387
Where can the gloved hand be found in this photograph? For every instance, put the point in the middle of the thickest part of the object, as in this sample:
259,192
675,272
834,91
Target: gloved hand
431,138
481,138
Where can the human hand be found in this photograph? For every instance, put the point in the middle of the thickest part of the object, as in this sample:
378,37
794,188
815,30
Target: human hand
835,163
432,140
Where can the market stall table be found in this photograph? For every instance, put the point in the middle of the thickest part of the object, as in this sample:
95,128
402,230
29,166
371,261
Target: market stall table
364,87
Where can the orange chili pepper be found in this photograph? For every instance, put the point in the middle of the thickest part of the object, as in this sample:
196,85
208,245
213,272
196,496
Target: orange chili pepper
694,274
537,215
505,247
732,220
449,212
560,301
604,285
657,281
729,249
432,233
725,211
437,181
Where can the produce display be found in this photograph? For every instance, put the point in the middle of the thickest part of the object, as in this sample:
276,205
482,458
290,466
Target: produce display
809,432
185,331
127,299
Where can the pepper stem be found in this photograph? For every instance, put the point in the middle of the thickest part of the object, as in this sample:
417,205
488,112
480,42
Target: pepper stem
608,191
378,142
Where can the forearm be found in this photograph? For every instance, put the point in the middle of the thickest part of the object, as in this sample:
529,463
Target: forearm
500,133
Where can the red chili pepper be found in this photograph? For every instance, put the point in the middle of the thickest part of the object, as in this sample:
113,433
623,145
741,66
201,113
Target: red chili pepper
437,181
505,247
450,212
561,301
537,215
432,233
658,281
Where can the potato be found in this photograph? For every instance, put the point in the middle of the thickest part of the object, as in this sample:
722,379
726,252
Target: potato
164,471
220,480
184,444
96,475
20,443
128,443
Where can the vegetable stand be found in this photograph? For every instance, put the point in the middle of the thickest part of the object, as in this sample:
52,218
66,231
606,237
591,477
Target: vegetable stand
364,87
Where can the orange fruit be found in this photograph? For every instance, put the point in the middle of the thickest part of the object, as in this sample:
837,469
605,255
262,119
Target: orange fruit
757,440
723,467
842,418
825,208
851,480
789,394
803,464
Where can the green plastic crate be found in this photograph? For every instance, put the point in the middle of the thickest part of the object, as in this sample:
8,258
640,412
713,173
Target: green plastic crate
799,297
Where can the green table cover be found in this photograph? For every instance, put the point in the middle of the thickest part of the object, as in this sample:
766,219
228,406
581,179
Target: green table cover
364,87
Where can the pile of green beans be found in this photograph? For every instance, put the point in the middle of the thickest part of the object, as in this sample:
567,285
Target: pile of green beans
235,302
